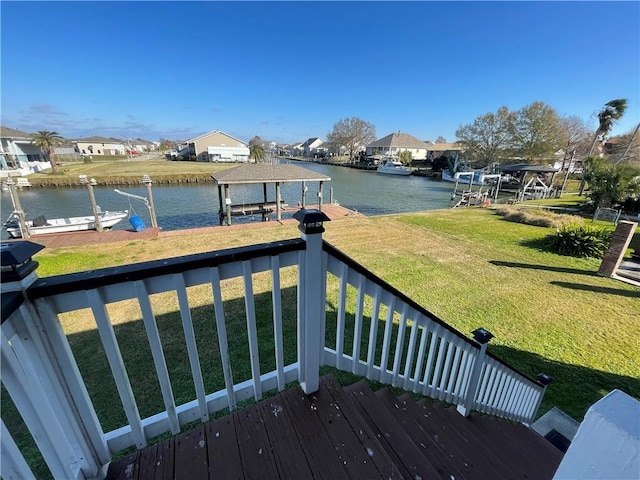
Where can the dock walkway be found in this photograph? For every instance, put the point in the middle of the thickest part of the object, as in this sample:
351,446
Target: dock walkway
75,239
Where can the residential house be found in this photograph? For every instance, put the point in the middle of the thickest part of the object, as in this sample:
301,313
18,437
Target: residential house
395,143
448,150
19,154
296,149
214,146
313,147
101,146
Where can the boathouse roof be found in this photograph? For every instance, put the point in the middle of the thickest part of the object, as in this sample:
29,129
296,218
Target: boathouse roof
266,173
528,167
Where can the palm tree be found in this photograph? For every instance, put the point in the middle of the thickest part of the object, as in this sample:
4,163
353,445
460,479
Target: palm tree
47,140
257,152
612,111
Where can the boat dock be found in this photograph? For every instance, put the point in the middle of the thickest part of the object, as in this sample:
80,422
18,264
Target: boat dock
333,211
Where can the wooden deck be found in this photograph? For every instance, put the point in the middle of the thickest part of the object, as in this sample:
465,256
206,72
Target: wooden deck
74,239
346,433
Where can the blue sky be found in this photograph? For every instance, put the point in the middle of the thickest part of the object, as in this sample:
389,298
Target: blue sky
289,71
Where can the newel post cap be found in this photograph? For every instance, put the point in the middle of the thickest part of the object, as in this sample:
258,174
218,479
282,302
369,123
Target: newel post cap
16,259
311,221
482,336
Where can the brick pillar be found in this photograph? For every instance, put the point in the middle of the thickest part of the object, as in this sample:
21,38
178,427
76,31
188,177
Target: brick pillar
619,243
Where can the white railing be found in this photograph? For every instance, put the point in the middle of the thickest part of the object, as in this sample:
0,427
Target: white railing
418,351
391,339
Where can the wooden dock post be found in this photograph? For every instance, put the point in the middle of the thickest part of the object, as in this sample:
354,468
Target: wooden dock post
94,207
17,207
152,210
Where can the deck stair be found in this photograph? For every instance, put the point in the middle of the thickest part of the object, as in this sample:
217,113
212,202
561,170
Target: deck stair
347,432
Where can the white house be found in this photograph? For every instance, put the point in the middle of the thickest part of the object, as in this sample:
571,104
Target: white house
395,143
214,146
101,146
18,155
312,147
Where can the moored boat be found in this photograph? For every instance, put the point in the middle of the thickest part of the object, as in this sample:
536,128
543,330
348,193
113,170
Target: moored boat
391,166
42,225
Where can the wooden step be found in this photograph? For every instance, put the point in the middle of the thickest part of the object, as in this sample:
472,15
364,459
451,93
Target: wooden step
369,438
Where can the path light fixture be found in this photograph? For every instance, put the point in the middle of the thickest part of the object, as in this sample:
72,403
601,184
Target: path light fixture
311,221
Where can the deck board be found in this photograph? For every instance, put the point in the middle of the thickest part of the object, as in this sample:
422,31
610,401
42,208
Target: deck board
345,433
190,454
223,449
288,452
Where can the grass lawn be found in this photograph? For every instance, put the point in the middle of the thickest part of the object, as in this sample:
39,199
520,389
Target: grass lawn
134,170
549,313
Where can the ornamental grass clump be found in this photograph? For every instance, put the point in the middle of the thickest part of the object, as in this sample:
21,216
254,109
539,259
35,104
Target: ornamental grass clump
583,241
538,217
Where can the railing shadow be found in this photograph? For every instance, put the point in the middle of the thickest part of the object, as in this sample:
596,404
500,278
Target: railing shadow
596,289
548,268
575,387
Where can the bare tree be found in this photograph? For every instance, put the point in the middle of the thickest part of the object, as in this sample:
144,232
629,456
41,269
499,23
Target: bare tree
441,139
352,134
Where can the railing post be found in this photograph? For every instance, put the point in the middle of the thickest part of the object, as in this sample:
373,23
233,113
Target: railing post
311,342
41,376
545,380
481,336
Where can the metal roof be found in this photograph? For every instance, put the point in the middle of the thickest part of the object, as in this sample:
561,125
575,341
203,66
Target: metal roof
527,167
266,173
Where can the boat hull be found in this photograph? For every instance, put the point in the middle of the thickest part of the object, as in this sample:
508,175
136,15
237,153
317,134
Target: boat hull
65,225
463,177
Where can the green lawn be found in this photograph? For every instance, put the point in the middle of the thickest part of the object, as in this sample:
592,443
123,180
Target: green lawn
124,171
549,313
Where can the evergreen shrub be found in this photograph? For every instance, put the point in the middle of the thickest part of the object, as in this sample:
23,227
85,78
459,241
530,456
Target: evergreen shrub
579,241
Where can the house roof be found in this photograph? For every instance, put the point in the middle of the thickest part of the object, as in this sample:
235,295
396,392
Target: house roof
265,173
194,139
399,140
310,141
98,139
6,132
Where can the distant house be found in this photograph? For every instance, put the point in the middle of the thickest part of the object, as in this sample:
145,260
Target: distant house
312,147
102,146
395,143
296,149
214,146
437,150
18,154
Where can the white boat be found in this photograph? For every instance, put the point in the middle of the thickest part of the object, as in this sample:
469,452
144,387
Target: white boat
464,177
42,225
390,166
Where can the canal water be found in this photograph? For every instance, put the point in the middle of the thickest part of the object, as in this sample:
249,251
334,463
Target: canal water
196,205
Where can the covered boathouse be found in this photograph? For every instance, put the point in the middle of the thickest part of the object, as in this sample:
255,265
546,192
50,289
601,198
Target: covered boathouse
264,174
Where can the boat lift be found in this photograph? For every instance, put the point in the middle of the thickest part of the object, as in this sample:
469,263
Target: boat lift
146,201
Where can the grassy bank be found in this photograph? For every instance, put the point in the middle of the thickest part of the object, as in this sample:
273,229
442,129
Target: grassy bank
124,172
